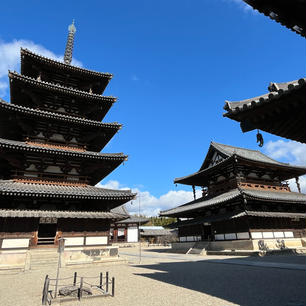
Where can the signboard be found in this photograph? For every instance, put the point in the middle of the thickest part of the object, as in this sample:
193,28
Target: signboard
47,220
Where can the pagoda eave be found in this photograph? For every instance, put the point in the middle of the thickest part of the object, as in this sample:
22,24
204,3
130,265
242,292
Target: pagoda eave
16,213
32,64
12,188
13,75
50,149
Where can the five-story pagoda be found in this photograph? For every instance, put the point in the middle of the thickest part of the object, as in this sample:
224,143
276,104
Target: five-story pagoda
51,136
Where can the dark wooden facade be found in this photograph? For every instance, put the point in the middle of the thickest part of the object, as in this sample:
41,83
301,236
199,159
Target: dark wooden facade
245,196
51,135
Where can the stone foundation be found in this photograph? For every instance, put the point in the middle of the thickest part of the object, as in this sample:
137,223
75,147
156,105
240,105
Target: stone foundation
23,259
242,245
86,255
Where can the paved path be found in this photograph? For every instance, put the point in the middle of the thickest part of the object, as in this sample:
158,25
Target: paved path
164,279
280,262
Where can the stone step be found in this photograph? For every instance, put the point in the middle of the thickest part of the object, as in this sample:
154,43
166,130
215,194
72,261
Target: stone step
44,256
198,248
43,262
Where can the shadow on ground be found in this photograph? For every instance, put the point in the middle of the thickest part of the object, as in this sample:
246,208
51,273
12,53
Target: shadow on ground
241,285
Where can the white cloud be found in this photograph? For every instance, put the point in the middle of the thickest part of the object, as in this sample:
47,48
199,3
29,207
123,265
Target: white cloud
244,6
10,58
291,152
151,205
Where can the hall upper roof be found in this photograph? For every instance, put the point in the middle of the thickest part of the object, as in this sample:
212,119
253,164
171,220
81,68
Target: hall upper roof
290,13
231,154
282,111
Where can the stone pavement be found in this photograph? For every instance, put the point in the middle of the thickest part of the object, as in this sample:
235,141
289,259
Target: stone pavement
173,279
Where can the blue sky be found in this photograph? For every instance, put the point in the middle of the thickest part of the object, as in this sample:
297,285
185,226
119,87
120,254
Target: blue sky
174,64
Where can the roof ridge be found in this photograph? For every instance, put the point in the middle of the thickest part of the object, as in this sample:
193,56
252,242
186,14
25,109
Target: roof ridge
234,147
252,150
60,87
266,96
89,71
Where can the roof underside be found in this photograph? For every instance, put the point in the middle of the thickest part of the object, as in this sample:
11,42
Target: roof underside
290,13
238,193
281,112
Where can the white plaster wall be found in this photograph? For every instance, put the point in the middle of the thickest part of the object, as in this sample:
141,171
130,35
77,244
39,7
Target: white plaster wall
288,234
15,243
267,235
71,241
244,235
219,237
132,234
231,236
98,240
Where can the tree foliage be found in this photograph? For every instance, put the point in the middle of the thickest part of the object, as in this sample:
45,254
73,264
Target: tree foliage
160,221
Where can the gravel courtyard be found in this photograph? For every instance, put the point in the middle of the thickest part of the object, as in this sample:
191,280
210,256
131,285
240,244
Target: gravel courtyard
173,279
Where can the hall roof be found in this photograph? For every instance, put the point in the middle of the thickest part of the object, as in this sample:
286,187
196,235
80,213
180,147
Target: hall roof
255,194
13,188
229,153
282,111
290,13
126,218
20,213
233,215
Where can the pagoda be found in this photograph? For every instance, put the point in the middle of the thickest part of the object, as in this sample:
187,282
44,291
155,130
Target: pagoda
245,198
51,136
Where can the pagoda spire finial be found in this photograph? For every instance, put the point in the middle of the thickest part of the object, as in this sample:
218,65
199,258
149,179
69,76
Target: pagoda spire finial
69,45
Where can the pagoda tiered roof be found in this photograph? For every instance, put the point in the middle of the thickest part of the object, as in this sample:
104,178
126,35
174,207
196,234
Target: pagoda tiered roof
57,116
51,149
273,112
201,204
290,13
30,59
18,122
232,155
15,188
13,75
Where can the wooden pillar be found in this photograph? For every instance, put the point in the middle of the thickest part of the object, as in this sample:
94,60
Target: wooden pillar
125,234
194,192
298,184
115,234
